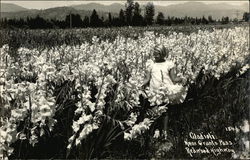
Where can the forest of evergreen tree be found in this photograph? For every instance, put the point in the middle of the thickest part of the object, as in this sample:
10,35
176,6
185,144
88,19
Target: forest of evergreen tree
130,16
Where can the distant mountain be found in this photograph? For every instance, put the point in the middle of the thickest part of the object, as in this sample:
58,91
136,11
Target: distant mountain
191,9
199,9
114,8
9,7
58,13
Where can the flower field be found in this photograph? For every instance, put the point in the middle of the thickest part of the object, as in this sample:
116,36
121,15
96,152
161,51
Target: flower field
85,99
55,37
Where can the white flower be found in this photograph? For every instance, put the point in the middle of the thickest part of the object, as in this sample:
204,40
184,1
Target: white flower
245,127
91,106
127,136
75,127
84,118
78,141
156,134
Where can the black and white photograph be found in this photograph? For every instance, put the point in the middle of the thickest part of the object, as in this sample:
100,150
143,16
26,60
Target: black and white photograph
128,79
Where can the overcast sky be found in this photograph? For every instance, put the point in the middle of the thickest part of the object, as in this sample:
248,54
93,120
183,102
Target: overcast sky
50,4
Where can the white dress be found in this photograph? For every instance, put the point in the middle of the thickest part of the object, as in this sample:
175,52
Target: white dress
161,83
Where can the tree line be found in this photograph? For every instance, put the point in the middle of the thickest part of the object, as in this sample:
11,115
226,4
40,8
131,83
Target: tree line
130,16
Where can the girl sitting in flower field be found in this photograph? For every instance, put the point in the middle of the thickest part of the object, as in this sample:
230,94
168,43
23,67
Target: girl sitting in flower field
164,86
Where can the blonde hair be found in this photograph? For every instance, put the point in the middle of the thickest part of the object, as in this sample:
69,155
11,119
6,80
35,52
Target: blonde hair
161,50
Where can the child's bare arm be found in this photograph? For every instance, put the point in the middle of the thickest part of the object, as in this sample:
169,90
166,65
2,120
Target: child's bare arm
147,79
174,77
